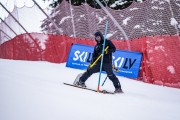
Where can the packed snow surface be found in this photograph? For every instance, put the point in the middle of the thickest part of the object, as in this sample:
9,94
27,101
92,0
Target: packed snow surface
34,90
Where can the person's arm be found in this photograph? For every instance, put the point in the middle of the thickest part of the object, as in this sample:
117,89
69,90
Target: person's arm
112,47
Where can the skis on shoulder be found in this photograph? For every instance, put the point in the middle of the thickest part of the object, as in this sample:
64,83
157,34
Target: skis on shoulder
85,88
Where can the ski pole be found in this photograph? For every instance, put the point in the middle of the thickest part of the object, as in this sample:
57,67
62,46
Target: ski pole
98,88
104,81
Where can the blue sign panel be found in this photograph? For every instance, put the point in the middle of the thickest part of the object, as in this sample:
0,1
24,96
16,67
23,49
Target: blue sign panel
79,56
127,62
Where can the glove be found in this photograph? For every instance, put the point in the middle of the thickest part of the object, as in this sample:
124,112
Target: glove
116,69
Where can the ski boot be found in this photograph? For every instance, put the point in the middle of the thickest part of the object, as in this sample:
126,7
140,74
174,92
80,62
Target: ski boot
81,84
118,90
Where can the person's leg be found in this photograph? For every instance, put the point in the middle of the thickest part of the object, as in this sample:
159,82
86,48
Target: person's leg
89,72
111,75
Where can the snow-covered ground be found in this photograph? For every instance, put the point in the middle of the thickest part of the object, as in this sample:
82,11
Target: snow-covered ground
34,90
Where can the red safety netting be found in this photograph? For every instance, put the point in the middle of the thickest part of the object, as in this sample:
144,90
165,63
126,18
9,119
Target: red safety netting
163,60
160,63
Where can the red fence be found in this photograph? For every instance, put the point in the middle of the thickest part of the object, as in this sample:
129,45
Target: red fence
160,64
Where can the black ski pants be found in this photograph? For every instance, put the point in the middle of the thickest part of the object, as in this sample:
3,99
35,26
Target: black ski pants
107,68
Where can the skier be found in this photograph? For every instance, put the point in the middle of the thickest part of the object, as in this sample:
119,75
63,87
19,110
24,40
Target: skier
107,63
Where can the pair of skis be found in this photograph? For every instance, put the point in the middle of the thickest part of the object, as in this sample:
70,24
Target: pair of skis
85,88
101,91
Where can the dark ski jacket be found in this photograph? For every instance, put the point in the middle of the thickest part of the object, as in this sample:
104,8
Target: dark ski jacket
98,49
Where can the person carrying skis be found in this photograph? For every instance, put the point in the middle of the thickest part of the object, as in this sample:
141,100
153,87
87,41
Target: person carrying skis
107,63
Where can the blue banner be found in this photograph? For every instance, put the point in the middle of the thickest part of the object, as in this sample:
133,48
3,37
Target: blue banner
127,62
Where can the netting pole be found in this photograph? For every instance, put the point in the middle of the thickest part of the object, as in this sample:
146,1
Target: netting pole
72,18
8,26
5,34
176,25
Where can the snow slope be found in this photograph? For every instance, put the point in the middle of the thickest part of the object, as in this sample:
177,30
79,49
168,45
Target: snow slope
33,90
